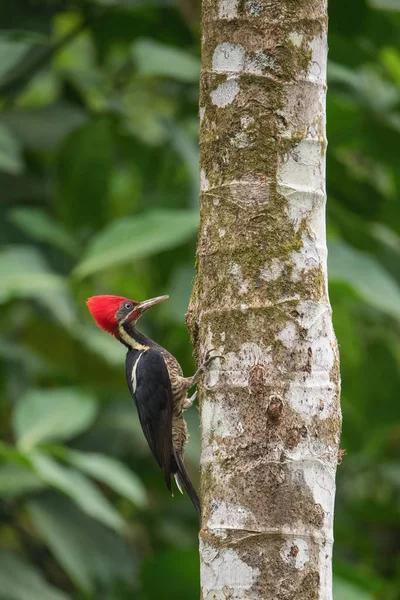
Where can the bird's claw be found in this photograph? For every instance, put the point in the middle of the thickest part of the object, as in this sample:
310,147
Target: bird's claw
190,401
209,357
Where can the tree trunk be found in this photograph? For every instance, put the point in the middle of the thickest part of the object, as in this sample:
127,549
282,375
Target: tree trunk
270,412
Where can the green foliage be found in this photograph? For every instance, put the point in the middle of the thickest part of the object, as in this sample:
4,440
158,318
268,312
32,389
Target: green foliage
134,238
179,568
10,152
112,473
20,581
153,58
99,176
52,415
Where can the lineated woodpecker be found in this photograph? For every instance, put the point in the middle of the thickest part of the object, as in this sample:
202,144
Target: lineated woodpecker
156,383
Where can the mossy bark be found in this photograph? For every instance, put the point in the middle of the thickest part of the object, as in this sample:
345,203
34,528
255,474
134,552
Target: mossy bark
270,411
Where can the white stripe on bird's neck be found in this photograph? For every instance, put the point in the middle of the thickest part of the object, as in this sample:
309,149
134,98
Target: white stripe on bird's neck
128,339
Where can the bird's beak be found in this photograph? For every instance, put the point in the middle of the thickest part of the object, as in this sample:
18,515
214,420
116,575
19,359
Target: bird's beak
143,306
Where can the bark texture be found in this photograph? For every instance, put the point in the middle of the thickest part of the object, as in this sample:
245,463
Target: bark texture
270,412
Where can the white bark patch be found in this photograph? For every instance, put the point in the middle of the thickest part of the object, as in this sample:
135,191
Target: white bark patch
272,271
288,336
260,61
311,393
304,105
304,205
295,553
310,450
224,573
221,232
225,93
317,68
254,8
325,570
227,9
316,398
226,512
228,58
319,479
216,420
237,365
236,273
202,112
204,183
296,38
310,256
244,287
213,373
246,120
308,206
240,140
302,168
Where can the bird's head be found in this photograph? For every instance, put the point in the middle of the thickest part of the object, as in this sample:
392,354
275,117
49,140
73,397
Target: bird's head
112,312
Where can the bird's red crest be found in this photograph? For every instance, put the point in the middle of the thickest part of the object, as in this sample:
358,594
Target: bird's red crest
103,309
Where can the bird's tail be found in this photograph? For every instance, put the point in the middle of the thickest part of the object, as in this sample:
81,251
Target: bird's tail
181,477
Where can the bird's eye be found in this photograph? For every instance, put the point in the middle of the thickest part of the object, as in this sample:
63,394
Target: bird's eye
128,305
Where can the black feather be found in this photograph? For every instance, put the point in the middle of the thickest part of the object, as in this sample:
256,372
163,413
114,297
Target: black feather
153,399
179,468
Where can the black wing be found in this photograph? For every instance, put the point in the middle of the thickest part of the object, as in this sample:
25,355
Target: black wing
148,381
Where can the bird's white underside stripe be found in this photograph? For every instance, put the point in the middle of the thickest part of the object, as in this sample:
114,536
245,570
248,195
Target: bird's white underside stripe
134,382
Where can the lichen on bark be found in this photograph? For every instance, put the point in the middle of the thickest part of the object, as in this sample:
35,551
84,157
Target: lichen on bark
270,410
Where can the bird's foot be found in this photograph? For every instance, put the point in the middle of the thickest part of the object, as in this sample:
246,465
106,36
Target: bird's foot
207,361
209,358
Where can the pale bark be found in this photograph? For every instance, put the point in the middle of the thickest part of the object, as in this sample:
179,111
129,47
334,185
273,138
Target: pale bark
270,410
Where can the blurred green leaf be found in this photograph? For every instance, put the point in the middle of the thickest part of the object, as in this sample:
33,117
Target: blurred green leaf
180,568
101,344
385,4
21,581
16,480
186,146
390,57
145,112
179,289
45,127
134,3
154,58
391,472
87,551
82,198
137,237
11,52
386,236
57,414
65,541
78,487
366,275
343,590
111,472
10,153
25,274
40,226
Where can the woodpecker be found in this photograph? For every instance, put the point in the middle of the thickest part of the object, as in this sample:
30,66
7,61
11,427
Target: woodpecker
156,383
